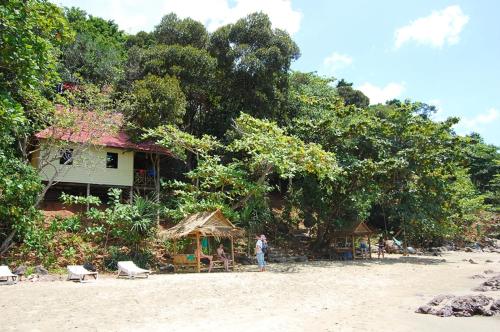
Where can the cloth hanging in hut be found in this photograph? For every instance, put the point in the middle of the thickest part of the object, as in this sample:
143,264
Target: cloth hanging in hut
204,243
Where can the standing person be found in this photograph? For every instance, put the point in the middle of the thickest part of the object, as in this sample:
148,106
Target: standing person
381,247
264,246
363,244
260,254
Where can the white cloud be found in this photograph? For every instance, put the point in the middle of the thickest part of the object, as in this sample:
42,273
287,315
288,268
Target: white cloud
379,95
479,122
215,13
440,114
336,61
135,15
439,28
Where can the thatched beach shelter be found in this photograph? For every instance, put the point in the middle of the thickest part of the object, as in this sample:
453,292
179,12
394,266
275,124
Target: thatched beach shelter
346,235
202,224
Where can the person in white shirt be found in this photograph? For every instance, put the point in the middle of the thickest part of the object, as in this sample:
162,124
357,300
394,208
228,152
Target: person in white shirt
260,254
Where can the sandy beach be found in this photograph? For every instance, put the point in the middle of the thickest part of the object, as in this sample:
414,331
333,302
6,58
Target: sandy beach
315,296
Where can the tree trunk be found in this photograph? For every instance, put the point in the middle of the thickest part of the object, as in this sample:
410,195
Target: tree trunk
7,243
261,179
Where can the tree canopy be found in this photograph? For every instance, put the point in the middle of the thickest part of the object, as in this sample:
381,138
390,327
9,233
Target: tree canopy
242,125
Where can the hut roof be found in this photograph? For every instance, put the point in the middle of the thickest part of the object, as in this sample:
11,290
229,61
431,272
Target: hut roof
209,223
353,228
99,133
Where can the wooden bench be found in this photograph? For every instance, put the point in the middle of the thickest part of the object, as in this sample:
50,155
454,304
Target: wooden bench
183,262
219,264
187,262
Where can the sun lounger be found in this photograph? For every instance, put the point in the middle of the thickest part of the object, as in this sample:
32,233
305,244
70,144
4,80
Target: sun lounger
128,268
5,274
78,272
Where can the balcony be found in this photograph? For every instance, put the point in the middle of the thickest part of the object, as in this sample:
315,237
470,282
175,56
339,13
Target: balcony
144,178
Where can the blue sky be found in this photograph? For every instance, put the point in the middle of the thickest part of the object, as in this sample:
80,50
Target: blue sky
440,52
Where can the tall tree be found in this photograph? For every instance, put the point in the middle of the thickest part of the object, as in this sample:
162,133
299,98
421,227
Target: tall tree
98,53
30,32
156,100
352,96
481,159
184,32
392,170
253,61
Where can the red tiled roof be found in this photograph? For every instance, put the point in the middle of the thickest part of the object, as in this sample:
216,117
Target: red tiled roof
109,138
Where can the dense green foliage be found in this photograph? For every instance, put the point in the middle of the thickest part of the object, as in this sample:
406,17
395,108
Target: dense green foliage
243,127
97,53
30,33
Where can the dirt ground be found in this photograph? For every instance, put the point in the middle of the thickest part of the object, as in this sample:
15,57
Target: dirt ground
316,296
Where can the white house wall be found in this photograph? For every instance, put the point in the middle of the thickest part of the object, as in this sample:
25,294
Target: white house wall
89,166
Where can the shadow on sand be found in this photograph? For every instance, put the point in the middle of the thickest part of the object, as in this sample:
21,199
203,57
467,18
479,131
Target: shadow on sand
299,267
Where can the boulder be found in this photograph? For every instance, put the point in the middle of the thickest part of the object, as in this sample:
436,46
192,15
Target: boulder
496,306
301,259
20,270
445,311
40,270
450,247
167,268
461,306
492,284
244,260
470,304
89,266
440,298
425,309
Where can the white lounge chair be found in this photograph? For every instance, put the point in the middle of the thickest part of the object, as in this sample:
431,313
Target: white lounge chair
5,274
128,268
78,272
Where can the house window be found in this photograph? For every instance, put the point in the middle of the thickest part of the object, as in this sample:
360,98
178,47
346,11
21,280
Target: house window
66,157
111,160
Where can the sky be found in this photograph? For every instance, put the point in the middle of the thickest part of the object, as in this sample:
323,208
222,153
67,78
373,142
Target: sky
444,53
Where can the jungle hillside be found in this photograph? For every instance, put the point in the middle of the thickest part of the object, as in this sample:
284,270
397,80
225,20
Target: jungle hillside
276,150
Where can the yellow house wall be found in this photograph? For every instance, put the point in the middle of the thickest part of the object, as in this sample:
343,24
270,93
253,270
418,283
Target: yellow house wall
89,166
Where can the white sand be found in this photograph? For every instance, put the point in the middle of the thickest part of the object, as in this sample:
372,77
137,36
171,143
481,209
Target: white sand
317,296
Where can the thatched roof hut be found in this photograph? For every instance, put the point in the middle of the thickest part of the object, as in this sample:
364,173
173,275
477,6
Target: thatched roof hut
201,224
356,228
208,223
347,234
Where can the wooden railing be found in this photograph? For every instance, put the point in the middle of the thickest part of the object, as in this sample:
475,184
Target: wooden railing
143,178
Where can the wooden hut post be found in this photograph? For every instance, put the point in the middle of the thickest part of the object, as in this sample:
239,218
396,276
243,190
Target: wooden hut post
353,248
232,252
369,247
88,194
198,252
